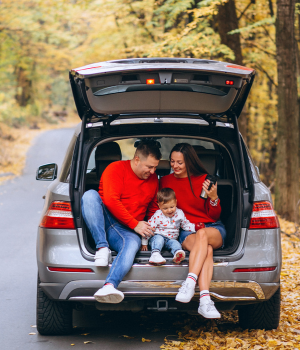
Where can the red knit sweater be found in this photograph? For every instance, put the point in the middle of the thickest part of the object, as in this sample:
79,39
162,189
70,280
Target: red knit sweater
128,198
195,209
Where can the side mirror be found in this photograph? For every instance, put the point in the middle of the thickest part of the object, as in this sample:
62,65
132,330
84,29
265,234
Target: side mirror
47,172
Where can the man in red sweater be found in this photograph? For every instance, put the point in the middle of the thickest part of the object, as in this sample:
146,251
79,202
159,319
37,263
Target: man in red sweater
115,215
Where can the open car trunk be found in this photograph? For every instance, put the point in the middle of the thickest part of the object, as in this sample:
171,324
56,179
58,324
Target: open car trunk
217,155
117,99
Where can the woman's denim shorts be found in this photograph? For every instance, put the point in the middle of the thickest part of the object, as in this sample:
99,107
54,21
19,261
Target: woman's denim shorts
218,225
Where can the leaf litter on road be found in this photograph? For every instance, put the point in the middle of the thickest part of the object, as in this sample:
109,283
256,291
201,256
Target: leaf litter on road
200,334
144,340
126,336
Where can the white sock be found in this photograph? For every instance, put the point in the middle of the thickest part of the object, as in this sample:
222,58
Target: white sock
204,296
192,279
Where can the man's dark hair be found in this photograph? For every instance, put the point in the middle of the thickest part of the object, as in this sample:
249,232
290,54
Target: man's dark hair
147,148
165,195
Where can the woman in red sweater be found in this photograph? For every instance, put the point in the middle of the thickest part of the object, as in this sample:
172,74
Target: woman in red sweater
188,180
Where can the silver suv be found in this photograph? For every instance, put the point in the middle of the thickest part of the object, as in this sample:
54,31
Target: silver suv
169,100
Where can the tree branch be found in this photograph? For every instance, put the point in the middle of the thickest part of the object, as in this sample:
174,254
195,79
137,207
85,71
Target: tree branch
266,73
146,29
243,12
273,54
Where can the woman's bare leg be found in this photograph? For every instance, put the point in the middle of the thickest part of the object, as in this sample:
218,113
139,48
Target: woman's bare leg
207,270
198,244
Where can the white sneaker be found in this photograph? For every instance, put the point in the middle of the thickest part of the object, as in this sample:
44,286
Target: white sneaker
208,310
185,292
109,294
179,256
157,259
102,257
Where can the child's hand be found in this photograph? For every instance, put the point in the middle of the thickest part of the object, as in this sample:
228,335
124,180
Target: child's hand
144,248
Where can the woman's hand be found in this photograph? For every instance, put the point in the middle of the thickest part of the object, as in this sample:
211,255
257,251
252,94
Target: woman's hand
212,193
144,248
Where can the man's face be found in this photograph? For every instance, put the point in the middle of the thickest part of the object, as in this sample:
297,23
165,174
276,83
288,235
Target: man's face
144,167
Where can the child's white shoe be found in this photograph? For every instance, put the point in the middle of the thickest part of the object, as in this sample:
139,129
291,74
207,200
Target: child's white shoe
179,256
157,259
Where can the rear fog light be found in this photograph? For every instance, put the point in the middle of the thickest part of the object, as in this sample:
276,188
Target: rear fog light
68,269
255,269
263,216
59,216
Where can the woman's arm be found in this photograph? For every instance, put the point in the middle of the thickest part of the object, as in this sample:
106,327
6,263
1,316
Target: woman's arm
212,204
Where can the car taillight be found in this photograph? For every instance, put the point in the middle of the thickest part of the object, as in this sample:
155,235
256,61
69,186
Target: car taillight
59,215
263,216
255,269
68,269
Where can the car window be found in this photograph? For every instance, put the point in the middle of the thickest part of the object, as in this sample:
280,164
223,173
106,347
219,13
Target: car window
167,143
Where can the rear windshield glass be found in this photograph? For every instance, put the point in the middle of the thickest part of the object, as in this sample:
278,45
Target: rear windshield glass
213,156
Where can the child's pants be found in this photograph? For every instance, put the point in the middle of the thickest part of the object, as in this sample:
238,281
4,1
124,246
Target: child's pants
157,242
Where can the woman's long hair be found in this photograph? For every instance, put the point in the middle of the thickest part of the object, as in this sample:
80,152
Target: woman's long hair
193,164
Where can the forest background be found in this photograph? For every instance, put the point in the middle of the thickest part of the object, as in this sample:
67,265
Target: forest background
41,40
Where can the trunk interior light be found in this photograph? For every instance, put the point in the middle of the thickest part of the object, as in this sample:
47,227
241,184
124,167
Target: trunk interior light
255,269
229,82
59,216
68,269
150,81
263,216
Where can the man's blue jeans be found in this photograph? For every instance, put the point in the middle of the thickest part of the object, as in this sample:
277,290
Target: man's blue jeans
157,242
108,232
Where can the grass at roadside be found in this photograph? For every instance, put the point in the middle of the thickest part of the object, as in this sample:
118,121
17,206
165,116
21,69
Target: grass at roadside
15,143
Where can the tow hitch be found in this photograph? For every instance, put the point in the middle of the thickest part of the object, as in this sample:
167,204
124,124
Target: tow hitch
162,305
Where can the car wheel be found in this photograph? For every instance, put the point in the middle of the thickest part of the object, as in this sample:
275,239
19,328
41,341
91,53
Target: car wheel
265,315
52,317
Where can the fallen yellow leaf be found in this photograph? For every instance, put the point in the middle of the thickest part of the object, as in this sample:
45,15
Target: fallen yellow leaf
72,344
145,340
272,342
127,336
88,342
32,333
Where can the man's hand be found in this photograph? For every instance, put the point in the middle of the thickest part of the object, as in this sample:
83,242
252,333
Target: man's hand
144,248
144,229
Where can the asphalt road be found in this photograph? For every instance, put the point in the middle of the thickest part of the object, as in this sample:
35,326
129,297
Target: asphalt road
20,207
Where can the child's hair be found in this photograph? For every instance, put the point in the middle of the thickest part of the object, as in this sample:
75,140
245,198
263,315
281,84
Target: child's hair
165,195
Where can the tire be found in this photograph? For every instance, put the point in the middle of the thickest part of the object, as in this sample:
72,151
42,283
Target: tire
265,315
52,317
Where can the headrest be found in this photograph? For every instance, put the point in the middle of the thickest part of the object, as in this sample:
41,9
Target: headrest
198,148
208,158
108,151
163,164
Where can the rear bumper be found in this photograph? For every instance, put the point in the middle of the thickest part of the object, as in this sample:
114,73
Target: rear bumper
222,291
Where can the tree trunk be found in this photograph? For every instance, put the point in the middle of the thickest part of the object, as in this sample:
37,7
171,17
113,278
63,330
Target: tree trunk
24,87
227,21
287,168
